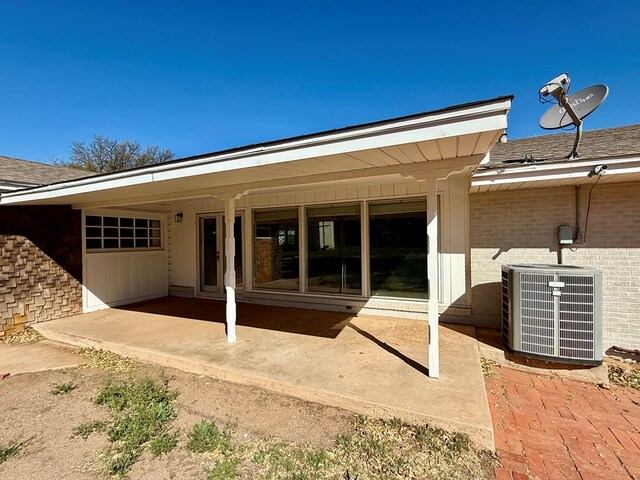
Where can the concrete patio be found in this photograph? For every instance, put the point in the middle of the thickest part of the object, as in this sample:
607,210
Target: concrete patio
368,365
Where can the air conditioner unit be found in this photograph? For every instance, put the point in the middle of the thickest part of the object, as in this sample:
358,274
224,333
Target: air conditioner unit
553,312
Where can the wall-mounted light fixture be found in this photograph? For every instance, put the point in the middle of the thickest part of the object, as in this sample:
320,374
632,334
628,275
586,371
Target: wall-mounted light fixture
178,217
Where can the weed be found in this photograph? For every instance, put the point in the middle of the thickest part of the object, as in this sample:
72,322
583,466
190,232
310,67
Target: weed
63,388
224,469
85,429
205,436
119,460
8,452
163,443
140,410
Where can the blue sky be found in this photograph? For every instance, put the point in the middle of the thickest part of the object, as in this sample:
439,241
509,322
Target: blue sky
202,76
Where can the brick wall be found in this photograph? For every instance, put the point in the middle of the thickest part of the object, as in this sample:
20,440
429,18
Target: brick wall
521,226
40,265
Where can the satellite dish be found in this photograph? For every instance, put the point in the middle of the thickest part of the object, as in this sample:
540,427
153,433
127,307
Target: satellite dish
570,109
583,103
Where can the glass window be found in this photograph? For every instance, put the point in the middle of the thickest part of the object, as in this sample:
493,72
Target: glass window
119,232
94,243
334,261
398,248
110,221
276,253
93,220
94,232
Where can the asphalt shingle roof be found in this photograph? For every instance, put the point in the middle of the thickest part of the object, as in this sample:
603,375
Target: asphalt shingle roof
607,142
27,171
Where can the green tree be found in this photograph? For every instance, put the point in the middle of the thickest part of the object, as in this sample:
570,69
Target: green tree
105,155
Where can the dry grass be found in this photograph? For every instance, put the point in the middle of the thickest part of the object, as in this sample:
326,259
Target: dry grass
487,366
106,360
626,377
373,450
28,335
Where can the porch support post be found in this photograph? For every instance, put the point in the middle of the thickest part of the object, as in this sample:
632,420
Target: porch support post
230,271
432,272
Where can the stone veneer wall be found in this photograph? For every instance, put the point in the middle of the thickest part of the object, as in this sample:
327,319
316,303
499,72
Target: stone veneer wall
40,265
522,227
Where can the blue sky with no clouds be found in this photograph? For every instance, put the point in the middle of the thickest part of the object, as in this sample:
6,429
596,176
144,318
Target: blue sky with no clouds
203,76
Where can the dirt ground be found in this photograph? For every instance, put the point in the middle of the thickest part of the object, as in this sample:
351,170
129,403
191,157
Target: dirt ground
44,422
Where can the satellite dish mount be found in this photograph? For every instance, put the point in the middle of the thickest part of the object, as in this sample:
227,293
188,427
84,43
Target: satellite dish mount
570,109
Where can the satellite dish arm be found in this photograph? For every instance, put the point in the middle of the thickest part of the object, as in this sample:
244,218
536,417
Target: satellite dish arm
574,152
564,101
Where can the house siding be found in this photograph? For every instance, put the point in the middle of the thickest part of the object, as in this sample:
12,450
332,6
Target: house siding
40,265
521,227
453,256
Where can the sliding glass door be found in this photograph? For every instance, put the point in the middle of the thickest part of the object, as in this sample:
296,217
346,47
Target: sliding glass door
398,248
334,253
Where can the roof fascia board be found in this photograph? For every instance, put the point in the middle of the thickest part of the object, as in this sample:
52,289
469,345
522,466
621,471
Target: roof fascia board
351,145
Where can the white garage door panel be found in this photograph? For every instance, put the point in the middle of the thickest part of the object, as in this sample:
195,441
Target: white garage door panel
118,278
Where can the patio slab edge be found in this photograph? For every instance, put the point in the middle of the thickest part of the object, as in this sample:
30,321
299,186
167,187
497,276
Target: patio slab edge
482,437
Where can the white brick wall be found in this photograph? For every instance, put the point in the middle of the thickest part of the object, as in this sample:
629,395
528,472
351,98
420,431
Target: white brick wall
521,226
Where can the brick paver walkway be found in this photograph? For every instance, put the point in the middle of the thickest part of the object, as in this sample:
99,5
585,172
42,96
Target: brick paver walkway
550,428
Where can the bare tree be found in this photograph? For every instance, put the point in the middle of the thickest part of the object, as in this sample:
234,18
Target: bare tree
105,155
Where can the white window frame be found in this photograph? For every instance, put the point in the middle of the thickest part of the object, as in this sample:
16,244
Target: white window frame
119,215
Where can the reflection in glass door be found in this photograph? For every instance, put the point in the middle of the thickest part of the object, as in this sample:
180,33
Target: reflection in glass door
209,254
334,255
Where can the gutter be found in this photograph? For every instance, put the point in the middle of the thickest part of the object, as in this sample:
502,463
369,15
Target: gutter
554,171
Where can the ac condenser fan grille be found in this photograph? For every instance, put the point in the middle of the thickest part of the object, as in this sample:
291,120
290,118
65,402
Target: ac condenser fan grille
576,317
537,314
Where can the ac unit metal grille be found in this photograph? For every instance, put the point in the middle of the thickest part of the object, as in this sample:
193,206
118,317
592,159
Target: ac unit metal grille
576,316
537,314
505,306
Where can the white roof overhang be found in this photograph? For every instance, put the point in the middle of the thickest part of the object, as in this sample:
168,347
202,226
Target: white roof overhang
419,142
555,174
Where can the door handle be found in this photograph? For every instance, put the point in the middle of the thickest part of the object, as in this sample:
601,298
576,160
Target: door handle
218,255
